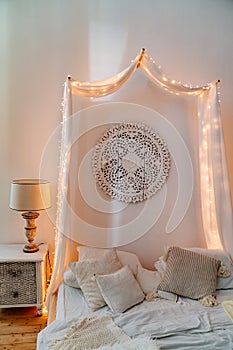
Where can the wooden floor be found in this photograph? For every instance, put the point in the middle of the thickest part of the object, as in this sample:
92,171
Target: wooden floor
19,328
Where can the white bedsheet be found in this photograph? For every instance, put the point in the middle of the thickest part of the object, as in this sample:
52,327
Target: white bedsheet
184,325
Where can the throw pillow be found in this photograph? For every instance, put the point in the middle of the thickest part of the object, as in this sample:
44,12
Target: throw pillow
189,274
70,279
148,279
84,271
120,289
223,282
125,258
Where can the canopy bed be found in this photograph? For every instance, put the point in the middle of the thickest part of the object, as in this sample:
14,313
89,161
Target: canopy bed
107,288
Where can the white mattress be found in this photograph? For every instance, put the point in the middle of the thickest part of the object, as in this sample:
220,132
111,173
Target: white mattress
183,325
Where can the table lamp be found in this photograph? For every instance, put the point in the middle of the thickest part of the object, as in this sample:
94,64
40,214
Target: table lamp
30,196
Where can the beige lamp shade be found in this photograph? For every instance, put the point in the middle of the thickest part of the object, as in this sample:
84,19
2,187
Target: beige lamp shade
30,195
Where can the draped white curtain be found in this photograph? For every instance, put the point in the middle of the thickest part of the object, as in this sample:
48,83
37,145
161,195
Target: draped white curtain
214,184
215,191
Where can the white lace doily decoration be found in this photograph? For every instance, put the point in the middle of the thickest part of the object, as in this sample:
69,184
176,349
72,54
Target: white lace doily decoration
131,162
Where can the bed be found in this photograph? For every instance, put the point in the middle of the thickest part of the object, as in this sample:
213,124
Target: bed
131,307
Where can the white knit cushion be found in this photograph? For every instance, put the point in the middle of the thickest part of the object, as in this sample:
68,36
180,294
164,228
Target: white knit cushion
125,258
148,279
85,270
120,289
189,274
70,279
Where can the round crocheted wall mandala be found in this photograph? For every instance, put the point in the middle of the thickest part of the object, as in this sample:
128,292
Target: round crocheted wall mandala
131,162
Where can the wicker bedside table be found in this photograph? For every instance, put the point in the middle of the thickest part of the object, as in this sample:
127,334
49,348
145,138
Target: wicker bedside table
22,276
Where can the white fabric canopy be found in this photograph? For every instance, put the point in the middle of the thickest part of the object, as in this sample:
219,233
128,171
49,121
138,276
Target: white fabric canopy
215,191
214,184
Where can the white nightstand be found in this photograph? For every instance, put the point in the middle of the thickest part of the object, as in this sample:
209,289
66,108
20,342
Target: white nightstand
22,276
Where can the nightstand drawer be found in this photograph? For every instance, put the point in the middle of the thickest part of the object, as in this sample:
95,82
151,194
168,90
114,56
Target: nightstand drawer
18,283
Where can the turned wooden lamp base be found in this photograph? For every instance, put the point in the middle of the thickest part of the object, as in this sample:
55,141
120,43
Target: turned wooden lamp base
30,231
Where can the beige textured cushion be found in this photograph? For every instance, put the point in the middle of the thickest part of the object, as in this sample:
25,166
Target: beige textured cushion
86,252
125,258
189,274
120,289
86,269
148,279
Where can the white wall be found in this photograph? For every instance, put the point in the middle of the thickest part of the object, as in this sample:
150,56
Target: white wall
42,42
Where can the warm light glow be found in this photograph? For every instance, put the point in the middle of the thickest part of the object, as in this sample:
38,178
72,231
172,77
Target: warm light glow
44,310
152,71
104,87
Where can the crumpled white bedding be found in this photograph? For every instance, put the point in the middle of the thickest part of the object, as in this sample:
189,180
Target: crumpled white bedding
184,325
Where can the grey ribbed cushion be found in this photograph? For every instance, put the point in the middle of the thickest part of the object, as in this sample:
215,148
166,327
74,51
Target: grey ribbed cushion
189,274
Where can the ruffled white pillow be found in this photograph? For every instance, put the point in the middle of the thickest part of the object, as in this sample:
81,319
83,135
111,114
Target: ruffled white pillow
148,279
